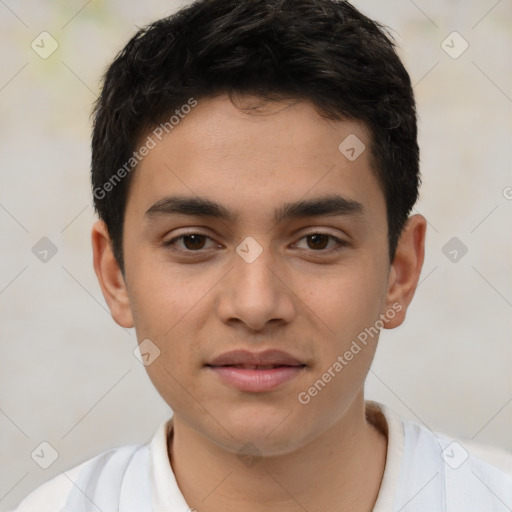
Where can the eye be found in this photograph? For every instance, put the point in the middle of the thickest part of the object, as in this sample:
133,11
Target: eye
196,242
318,242
192,242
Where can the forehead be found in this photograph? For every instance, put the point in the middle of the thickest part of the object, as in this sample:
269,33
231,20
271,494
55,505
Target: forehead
254,157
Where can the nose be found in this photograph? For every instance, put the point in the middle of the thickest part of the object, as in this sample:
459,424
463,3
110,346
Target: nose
257,291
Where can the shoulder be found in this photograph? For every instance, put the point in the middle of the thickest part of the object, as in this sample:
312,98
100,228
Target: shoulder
97,482
450,473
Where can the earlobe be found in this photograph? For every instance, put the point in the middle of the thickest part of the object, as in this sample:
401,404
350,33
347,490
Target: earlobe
405,269
109,275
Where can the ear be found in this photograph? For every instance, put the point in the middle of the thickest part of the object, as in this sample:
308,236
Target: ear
405,269
110,276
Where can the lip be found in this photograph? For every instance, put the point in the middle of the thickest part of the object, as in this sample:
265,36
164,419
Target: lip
240,369
247,358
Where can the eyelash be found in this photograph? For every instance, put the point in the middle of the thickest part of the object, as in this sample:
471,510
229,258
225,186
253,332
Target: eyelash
340,243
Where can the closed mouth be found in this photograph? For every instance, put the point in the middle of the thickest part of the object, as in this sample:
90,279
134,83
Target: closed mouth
257,366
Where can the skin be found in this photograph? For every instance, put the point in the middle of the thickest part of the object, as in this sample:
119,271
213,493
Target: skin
304,298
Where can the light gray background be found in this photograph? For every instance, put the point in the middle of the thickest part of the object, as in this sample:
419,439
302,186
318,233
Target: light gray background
68,373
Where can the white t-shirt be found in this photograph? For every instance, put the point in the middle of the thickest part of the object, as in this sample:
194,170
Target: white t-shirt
425,472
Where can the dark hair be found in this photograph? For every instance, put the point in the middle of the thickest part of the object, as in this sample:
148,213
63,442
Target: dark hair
324,51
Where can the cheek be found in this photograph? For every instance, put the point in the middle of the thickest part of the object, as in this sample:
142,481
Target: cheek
162,296
350,309
346,301
173,372
170,308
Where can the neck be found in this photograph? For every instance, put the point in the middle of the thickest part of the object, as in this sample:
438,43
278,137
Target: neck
340,470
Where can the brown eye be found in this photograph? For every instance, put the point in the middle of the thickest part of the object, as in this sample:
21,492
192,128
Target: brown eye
318,241
192,242
322,243
189,242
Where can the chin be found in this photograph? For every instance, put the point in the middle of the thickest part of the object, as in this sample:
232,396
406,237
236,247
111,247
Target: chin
271,429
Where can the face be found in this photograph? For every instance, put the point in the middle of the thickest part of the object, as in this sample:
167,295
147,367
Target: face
285,249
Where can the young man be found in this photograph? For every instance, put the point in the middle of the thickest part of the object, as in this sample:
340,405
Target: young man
254,167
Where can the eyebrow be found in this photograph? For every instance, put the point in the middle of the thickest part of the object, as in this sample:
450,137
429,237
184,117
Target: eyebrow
331,205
